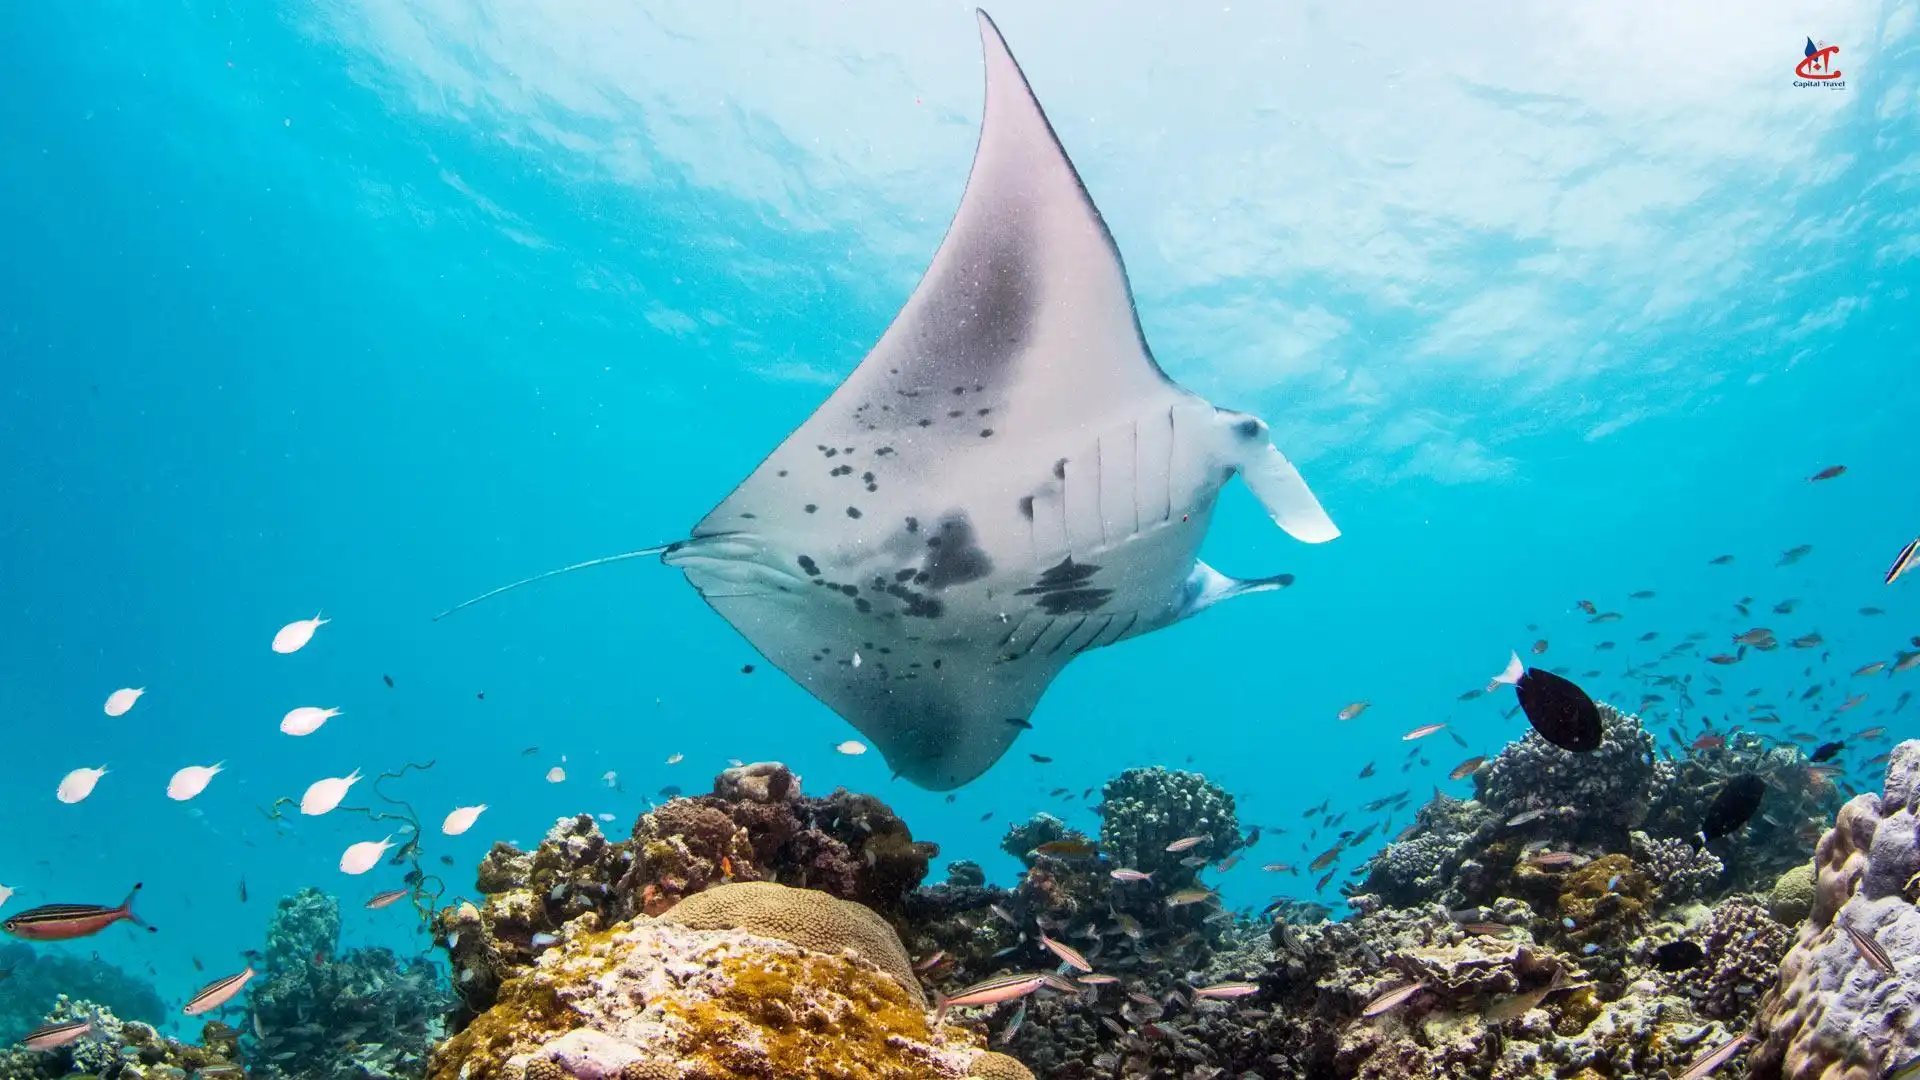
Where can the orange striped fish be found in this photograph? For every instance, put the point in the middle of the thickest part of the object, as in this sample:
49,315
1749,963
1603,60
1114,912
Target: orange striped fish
64,922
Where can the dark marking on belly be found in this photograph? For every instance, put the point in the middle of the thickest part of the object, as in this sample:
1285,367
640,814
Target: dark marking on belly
812,568
958,558
853,512
1064,589
1026,507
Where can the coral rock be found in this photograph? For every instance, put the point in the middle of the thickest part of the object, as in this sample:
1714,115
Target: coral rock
1144,810
1832,1015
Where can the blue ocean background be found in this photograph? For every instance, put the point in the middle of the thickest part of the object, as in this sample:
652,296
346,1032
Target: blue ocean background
360,309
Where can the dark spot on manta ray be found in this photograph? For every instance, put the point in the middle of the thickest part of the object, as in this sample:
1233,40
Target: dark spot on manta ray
783,472
863,605
841,470
958,559
1026,507
867,476
903,575
853,511
1247,428
955,414
983,412
1062,590
986,433
913,525
1060,469
806,563
850,590
751,516
811,508
926,423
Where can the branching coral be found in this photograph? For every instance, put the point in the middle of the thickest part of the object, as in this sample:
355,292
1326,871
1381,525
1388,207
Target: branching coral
320,1013
1144,810
1683,870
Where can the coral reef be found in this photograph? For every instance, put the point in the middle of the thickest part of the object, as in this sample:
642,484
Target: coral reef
1798,803
659,997
1834,1014
117,1049
756,826
1743,946
318,1012
39,976
1607,790
1144,810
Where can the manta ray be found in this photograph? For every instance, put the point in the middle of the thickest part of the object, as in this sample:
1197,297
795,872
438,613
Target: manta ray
1008,480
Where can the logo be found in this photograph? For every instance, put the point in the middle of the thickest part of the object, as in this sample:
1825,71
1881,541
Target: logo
1816,67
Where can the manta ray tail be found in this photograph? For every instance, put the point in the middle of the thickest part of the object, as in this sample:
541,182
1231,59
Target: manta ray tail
603,560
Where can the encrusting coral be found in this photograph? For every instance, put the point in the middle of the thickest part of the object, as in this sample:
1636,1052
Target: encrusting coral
1835,1014
751,980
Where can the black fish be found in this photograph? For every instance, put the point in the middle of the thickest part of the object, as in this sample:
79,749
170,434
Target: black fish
1041,758
1678,956
1827,751
388,679
1561,712
1733,806
671,791
746,669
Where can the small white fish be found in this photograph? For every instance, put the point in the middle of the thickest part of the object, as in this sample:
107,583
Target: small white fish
6,894
612,778
675,759
78,784
852,747
856,659
323,795
462,819
606,817
120,701
556,775
294,636
191,781
364,855
306,719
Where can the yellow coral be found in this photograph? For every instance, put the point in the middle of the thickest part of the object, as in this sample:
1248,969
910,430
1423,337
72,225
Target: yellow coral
526,1013
807,918
811,1016
1605,898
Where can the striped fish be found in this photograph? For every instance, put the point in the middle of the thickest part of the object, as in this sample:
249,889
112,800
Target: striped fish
1391,1000
1903,561
990,992
63,922
1706,1063
56,1035
1870,949
1067,953
217,993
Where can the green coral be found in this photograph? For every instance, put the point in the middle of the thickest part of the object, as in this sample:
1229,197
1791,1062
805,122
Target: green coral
1792,897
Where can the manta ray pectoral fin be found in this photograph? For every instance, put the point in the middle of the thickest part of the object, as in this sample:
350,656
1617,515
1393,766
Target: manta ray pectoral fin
1280,488
1206,587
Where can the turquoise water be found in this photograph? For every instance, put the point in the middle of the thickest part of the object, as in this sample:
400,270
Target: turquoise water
361,309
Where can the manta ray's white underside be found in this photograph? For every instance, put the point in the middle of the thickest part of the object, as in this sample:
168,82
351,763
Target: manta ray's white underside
1005,482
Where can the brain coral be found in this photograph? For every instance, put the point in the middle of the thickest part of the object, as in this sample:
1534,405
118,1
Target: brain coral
806,917
992,1066
658,999
1832,1015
